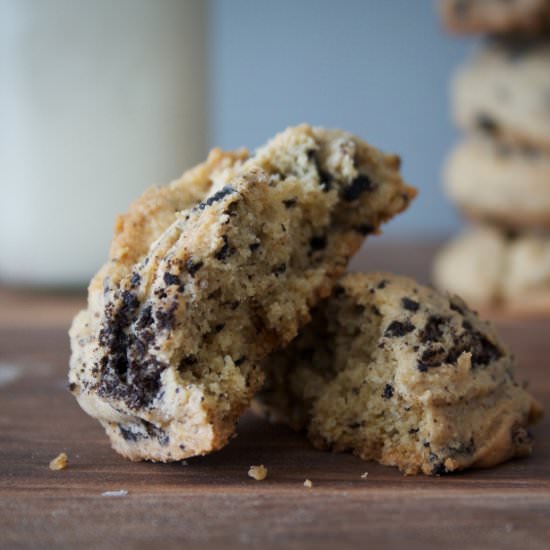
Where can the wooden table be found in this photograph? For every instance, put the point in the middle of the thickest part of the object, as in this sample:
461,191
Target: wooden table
211,502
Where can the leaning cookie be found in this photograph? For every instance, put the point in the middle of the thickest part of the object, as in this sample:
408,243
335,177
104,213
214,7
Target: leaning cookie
505,185
399,373
495,16
498,272
503,92
167,355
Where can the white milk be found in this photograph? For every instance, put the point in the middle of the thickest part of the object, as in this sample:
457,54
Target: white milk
98,100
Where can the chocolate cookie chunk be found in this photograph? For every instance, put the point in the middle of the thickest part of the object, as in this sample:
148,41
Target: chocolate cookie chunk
427,389
210,274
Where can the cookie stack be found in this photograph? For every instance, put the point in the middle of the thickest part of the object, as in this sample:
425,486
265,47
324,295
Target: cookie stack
228,286
499,176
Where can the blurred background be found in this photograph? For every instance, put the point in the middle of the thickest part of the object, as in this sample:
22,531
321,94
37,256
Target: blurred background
99,100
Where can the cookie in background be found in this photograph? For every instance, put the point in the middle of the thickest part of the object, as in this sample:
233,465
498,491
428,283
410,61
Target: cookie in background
498,272
495,16
500,184
502,91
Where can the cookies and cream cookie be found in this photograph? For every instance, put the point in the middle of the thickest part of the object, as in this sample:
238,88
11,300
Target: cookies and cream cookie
400,373
504,91
495,16
493,269
509,186
210,274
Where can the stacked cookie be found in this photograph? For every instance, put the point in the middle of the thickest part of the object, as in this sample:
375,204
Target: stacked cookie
231,279
499,176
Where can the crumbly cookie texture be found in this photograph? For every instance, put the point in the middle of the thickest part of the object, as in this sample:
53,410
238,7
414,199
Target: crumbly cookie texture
506,185
492,269
399,373
503,92
210,274
495,16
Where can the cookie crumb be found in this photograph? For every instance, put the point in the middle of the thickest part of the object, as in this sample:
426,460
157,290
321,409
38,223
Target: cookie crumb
257,472
120,493
60,462
308,483
365,475
184,463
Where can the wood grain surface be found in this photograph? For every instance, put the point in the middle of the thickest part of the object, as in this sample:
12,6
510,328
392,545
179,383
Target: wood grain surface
210,502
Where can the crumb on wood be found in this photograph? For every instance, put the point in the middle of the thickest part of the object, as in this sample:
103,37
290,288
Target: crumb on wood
60,462
184,463
308,483
257,472
120,493
365,475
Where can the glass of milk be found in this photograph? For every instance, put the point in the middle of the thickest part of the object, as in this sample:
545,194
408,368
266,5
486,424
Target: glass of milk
98,100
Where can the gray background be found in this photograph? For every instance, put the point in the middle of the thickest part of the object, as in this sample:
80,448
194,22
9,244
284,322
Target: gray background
378,68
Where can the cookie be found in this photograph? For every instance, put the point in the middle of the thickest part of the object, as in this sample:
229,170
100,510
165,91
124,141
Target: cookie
399,373
508,186
494,270
495,16
210,274
504,92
